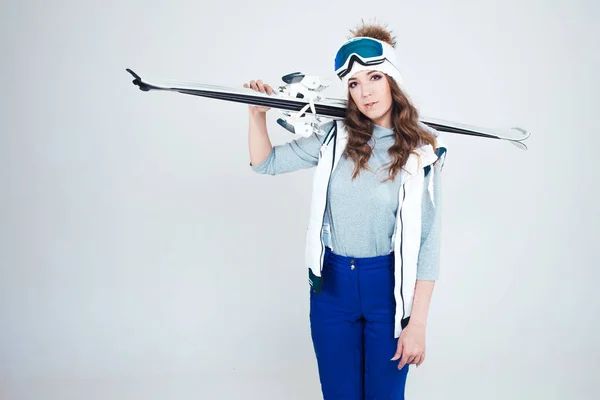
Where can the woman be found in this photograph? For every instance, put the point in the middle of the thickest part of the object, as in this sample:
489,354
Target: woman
372,246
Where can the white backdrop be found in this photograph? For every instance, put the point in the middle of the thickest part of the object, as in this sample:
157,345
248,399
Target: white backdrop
132,226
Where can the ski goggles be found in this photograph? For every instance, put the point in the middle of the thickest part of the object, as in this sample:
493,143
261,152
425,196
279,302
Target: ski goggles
363,50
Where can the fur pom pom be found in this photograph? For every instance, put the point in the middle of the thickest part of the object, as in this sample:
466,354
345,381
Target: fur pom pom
373,30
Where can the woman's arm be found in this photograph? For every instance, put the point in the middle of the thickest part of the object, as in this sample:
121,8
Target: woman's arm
292,156
411,344
266,159
421,301
259,143
428,265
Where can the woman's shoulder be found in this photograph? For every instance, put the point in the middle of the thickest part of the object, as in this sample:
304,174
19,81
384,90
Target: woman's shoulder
326,128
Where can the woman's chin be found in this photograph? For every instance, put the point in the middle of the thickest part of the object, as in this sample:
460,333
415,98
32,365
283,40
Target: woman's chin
368,112
371,114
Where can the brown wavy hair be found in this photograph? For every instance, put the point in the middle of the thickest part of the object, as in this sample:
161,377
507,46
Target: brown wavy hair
408,132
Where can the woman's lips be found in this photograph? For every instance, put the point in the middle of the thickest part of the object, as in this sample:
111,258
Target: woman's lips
368,106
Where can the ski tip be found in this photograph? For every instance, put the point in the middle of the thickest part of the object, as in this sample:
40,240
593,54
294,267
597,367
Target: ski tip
286,125
294,77
138,81
525,133
136,76
519,145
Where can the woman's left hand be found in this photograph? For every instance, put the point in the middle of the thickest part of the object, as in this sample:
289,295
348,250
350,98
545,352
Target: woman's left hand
411,346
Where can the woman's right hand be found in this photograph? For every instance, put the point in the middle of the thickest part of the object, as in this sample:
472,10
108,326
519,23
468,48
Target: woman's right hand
259,87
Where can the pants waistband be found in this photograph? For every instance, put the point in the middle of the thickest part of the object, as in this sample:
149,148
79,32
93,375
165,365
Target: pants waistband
384,261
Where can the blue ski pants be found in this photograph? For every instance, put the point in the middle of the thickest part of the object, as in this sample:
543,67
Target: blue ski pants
352,329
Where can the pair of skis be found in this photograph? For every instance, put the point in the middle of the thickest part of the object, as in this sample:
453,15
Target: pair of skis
302,104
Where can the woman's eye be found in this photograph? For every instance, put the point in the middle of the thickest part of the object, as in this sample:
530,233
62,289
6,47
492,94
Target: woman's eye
352,85
376,76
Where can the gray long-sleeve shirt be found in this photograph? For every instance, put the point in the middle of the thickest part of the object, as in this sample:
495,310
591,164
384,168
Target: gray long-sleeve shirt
362,213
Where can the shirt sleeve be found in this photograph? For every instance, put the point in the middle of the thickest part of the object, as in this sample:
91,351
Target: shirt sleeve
292,156
428,264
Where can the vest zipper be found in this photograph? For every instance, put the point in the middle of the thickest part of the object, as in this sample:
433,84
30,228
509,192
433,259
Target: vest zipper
334,137
401,249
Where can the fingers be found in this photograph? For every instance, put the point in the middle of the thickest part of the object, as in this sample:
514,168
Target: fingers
403,361
411,353
399,349
409,357
259,86
420,360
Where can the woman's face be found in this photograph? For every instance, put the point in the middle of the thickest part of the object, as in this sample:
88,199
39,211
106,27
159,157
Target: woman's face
370,91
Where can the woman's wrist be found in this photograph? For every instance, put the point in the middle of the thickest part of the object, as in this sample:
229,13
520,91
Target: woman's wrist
254,113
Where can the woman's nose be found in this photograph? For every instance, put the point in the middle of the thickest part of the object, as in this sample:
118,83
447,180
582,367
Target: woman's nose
366,91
